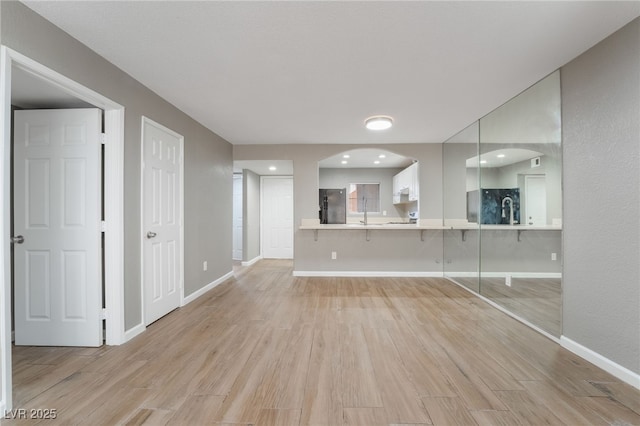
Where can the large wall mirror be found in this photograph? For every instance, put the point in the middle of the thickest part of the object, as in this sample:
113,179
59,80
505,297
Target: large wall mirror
376,182
508,217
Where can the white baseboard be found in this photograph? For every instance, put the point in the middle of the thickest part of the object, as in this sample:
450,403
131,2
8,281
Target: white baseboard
133,332
3,408
252,261
379,274
504,274
595,358
598,360
193,296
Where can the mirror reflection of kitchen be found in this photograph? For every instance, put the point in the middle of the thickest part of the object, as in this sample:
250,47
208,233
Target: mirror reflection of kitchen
512,190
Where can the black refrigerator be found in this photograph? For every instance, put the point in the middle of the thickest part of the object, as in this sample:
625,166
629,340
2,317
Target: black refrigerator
333,206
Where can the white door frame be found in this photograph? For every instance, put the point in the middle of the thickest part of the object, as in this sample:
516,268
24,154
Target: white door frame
113,205
262,178
237,176
144,121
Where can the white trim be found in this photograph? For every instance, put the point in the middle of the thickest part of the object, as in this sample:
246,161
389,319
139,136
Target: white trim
506,311
504,274
5,228
372,274
114,218
252,261
193,296
133,332
114,196
143,121
605,363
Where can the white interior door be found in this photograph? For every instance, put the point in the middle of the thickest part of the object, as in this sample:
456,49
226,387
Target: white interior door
277,217
162,220
536,200
237,217
57,216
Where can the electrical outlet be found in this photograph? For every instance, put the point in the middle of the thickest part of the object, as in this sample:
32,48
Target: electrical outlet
204,265
334,255
554,256
507,281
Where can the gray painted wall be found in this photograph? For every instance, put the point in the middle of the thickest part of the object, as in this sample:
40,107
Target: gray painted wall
208,158
601,128
250,215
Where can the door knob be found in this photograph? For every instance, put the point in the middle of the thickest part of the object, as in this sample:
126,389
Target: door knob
151,234
17,240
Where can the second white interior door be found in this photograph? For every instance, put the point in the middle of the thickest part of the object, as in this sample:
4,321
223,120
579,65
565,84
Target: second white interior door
536,200
162,220
277,217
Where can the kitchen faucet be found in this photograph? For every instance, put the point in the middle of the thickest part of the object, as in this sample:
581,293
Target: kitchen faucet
364,201
504,200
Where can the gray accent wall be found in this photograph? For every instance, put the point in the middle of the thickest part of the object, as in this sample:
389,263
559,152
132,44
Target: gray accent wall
250,215
601,132
207,162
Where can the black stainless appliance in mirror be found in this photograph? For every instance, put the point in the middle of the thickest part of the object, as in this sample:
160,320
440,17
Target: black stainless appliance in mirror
333,206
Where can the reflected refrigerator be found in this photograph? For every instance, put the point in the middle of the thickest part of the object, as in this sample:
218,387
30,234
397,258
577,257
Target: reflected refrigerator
333,206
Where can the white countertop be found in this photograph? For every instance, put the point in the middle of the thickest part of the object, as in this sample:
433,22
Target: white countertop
385,226
409,226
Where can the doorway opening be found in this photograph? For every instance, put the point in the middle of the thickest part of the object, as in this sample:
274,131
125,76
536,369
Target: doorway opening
13,62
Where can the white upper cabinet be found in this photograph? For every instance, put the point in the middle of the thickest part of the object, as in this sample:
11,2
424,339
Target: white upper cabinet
405,185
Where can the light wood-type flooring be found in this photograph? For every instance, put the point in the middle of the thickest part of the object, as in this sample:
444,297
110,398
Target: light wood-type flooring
266,348
537,300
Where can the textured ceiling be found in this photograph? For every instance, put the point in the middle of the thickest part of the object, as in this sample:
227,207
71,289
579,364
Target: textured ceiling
311,72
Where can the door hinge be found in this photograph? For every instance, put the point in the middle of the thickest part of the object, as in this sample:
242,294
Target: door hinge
103,138
103,314
103,226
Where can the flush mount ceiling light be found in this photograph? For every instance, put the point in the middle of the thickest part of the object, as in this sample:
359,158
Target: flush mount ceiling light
272,168
346,156
378,122
382,156
500,155
376,162
344,162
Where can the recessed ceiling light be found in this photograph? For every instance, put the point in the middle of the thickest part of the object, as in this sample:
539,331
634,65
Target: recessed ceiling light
483,161
382,156
378,122
500,155
344,161
346,156
376,162
272,168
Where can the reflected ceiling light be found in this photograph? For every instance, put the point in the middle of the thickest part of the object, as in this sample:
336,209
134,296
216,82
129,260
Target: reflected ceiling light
346,156
500,155
376,162
272,168
378,122
344,161
382,156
